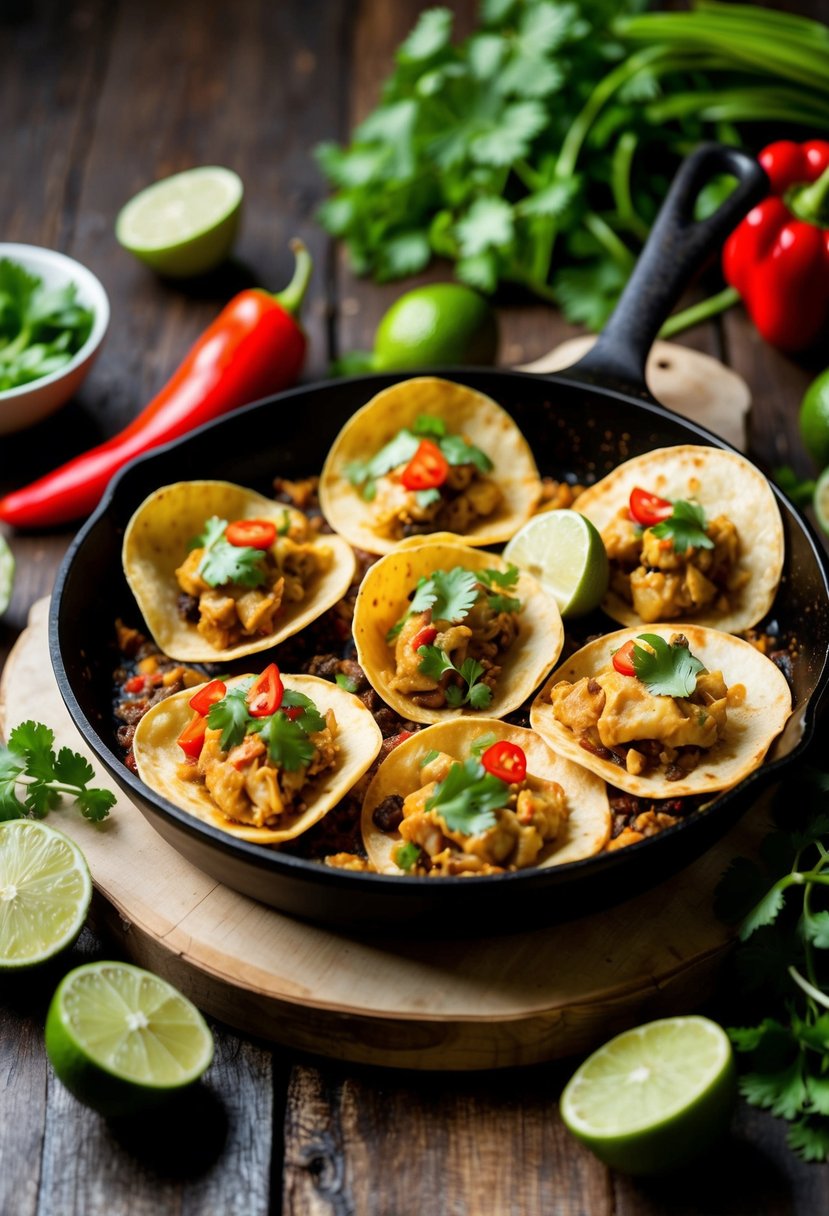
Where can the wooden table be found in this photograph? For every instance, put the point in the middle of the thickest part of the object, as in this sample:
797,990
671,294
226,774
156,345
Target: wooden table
99,97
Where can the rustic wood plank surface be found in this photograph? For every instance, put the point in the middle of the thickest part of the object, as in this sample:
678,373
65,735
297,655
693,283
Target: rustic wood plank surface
98,97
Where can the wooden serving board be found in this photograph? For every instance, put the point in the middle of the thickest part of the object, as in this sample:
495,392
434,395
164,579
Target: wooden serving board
496,1002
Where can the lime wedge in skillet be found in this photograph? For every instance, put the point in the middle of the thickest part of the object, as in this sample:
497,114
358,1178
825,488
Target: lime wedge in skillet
564,551
185,224
654,1097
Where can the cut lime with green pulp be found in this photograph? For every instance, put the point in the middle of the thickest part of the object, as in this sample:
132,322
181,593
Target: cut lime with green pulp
653,1098
121,1039
564,551
45,891
821,500
6,574
185,224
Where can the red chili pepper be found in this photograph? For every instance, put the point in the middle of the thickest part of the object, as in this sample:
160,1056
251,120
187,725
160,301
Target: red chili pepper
648,509
191,739
427,469
265,693
623,659
424,637
207,696
255,347
139,683
778,257
251,533
506,761
293,712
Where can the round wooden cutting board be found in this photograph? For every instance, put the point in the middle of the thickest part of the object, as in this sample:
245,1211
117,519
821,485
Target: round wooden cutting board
496,1002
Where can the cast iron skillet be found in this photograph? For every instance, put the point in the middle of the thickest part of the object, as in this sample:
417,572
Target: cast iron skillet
584,421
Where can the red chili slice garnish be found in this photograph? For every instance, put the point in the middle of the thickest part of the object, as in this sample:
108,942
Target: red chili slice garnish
265,693
251,533
424,637
623,659
506,761
293,712
191,739
427,469
648,509
207,696
135,684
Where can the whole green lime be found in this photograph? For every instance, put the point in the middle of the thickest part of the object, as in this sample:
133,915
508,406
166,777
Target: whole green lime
442,323
814,419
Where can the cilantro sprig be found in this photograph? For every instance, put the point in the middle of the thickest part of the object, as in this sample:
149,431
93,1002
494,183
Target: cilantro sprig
41,328
434,663
499,581
451,594
684,528
286,739
468,798
401,449
29,766
782,966
223,563
668,669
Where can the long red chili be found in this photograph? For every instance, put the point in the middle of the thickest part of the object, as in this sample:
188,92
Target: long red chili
255,347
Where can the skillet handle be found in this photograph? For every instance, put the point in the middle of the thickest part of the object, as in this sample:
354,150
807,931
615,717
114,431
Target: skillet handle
677,246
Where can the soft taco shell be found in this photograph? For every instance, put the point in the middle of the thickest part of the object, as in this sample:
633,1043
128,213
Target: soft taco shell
750,728
384,597
588,828
156,543
466,412
723,483
158,756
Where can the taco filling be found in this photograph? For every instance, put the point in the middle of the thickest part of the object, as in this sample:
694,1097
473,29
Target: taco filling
668,561
655,708
483,815
255,747
238,575
426,479
448,645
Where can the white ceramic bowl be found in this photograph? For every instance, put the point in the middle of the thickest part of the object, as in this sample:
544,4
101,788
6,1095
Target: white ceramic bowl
23,406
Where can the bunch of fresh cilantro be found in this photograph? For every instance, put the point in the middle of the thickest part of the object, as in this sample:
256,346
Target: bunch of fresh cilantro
41,328
538,150
33,777
782,965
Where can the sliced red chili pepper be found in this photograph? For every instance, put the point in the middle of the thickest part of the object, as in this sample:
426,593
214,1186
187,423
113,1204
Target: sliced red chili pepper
293,712
505,760
648,509
191,739
424,637
207,696
427,469
135,684
251,533
623,659
265,693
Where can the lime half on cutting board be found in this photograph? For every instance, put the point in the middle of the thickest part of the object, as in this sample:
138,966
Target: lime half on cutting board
185,224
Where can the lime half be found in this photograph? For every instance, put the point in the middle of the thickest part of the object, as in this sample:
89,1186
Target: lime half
6,574
185,224
821,500
45,891
564,551
121,1039
655,1097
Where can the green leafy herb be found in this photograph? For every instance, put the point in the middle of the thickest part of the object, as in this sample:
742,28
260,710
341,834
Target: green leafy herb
400,450
231,716
505,580
783,965
684,528
669,669
29,764
288,745
223,563
397,451
800,490
431,755
285,526
41,328
429,427
406,855
345,682
468,798
434,662
481,744
310,720
449,593
425,498
286,739
457,451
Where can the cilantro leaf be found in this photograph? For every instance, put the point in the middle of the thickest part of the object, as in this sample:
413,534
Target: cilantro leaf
429,37
479,696
288,745
214,530
425,498
809,1138
424,596
310,720
431,755
31,739
72,768
669,670
468,798
456,591
41,798
406,855
428,426
763,913
231,716
434,662
481,744
685,528
397,451
226,563
505,579
345,682
95,804
816,929
783,1093
457,451
487,224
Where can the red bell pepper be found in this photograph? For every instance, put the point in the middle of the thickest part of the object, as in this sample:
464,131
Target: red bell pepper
778,257
255,347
